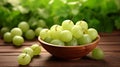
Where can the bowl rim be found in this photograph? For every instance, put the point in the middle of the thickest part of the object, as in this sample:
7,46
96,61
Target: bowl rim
96,40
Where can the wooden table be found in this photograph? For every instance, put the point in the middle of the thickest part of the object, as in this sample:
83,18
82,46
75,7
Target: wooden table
110,43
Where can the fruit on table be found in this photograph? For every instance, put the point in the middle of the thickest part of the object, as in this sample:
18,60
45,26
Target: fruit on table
4,30
36,49
16,31
97,54
24,59
7,37
30,34
18,40
29,51
24,26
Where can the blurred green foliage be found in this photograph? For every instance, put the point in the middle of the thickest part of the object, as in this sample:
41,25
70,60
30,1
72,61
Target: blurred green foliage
104,15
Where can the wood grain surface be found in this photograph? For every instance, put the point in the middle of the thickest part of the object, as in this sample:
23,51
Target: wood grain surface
110,43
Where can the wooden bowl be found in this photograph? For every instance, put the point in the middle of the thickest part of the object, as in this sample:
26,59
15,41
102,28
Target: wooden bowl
69,52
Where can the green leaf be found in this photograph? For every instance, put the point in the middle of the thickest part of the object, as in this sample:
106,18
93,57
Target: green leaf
57,10
93,3
34,4
117,23
108,6
94,23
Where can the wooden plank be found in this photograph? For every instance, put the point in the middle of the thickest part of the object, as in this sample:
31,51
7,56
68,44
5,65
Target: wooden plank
110,39
114,33
2,43
106,46
110,49
46,60
109,43
13,49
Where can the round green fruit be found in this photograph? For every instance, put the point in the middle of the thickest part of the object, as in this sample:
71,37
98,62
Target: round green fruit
30,34
24,59
29,51
97,54
16,31
24,26
18,40
7,37
36,49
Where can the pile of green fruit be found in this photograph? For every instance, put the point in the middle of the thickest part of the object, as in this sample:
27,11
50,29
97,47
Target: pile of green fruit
27,54
17,34
69,34
66,34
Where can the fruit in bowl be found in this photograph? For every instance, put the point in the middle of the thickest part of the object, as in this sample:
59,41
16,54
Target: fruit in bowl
69,41
69,52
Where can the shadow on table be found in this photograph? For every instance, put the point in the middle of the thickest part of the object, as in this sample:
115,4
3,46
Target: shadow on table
53,58
82,62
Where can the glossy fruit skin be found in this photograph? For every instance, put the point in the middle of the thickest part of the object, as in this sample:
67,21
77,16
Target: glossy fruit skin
97,54
37,31
44,33
29,51
73,42
30,34
16,31
69,52
24,26
65,36
67,31
23,59
92,33
36,49
85,39
67,25
57,42
83,25
55,31
77,31
4,30
18,40
7,37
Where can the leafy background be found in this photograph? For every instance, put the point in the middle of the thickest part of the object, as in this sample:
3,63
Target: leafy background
104,15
